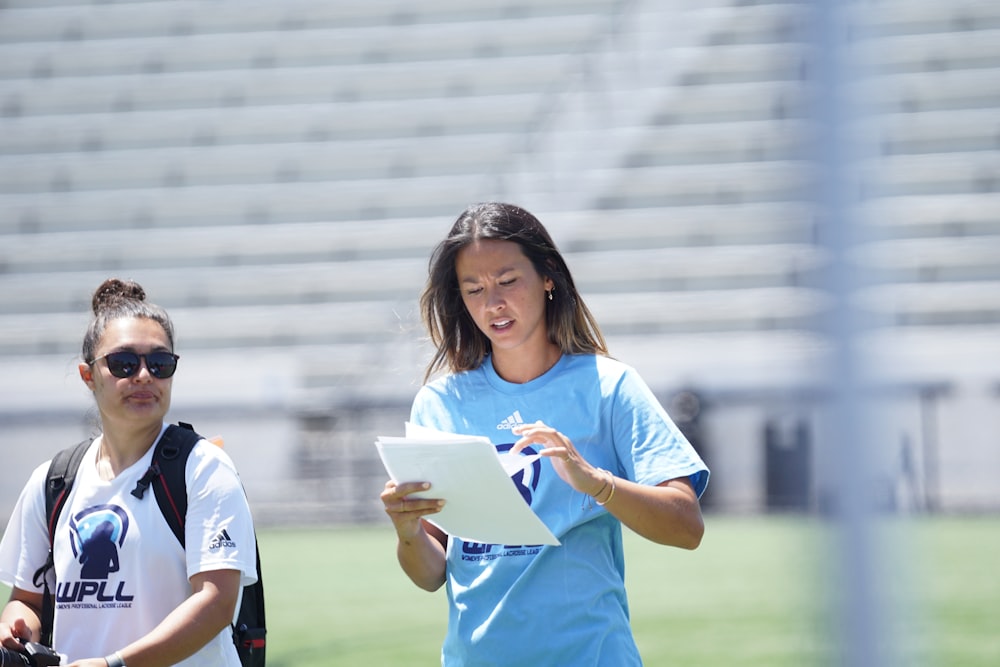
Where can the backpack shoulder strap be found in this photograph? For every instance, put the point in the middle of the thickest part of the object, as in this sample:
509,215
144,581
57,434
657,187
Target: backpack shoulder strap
250,628
169,461
58,483
168,465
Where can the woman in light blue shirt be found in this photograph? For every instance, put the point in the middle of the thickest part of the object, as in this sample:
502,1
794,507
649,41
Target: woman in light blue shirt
526,365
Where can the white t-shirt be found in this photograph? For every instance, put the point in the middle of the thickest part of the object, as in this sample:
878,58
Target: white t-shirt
120,570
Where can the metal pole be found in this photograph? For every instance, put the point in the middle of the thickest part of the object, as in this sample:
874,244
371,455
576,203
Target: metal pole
851,454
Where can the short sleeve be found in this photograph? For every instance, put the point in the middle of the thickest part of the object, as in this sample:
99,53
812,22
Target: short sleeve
25,544
649,445
219,530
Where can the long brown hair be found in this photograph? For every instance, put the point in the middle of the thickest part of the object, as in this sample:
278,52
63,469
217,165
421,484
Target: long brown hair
460,344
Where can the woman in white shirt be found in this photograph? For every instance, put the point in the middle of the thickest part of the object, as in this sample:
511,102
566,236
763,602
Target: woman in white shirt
126,591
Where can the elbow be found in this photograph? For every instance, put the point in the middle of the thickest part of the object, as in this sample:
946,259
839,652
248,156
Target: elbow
212,605
683,535
689,533
222,614
684,524
431,587
429,584
219,610
692,537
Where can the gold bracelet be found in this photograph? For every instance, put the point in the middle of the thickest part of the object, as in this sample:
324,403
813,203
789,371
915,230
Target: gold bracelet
588,502
610,495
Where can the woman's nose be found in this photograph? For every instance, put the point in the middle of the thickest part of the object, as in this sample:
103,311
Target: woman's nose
493,299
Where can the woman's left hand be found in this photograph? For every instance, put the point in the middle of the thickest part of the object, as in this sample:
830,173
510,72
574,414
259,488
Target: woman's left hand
570,466
667,513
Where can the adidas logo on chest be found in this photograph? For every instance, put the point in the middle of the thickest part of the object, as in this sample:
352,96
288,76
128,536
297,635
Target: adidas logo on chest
511,421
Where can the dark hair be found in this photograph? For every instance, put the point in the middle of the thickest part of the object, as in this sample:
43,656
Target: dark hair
460,344
116,299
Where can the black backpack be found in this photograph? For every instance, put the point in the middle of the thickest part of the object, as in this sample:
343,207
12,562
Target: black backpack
169,460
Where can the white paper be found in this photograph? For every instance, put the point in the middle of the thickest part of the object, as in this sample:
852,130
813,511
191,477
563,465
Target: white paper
512,463
482,503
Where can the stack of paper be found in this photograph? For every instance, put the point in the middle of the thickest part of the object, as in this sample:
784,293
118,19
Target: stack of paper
482,504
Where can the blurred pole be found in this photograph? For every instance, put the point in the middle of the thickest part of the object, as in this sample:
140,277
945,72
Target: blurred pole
851,457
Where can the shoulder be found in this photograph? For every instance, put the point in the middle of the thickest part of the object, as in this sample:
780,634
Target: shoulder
195,450
210,467
207,453
442,402
35,487
621,382
450,384
611,367
433,395
609,372
30,505
73,457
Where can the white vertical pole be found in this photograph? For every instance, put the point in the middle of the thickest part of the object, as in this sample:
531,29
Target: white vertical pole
850,458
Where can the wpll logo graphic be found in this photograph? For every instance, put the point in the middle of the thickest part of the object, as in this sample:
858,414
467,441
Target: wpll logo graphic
526,480
96,535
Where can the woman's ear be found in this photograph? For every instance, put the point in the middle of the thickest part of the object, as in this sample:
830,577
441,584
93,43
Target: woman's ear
86,374
552,268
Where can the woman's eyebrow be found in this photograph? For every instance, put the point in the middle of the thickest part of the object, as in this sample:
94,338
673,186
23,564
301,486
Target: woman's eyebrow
499,272
135,349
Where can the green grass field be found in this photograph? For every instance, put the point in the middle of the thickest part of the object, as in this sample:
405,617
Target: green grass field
755,594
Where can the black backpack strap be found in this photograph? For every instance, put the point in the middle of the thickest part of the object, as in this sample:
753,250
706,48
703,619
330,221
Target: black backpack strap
168,466
250,629
58,483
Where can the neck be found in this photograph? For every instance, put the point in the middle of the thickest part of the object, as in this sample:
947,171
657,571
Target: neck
122,446
519,368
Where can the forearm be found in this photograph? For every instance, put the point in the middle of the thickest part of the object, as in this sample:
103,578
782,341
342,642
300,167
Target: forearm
422,557
24,610
189,627
667,514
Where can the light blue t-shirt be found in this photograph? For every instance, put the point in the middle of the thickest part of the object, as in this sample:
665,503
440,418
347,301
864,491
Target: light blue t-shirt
554,605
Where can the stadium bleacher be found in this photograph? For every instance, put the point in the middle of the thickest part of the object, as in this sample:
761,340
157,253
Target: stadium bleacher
276,176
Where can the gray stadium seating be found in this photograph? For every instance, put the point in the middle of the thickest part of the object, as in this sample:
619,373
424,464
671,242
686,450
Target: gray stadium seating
276,175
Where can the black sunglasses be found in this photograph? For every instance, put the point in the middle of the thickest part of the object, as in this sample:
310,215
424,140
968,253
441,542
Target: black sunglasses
160,365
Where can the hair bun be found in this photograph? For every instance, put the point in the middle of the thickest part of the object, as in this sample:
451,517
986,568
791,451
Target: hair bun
113,291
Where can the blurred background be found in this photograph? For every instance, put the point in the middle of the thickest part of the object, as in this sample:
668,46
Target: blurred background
275,174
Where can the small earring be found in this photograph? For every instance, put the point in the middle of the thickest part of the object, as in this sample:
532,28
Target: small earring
550,292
